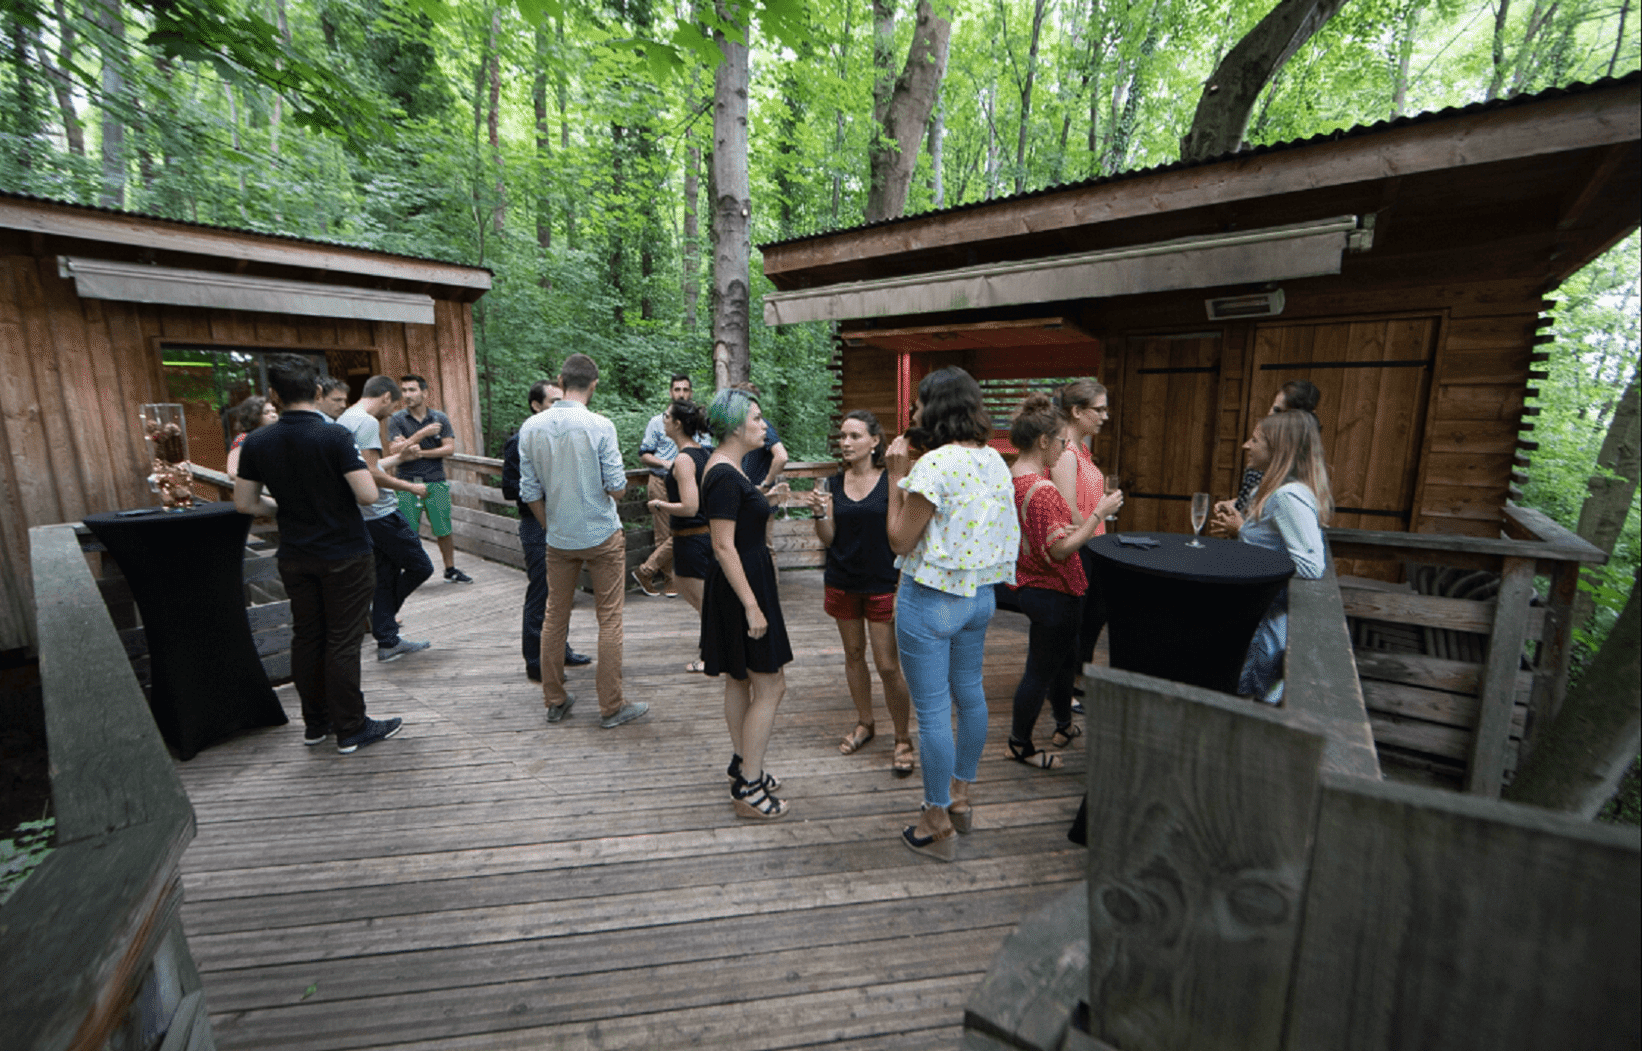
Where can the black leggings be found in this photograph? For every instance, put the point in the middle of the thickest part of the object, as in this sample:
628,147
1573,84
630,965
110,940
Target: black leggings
1051,659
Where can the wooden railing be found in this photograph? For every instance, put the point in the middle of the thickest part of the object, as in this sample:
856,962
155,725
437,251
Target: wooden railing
1242,895
94,950
1465,712
483,526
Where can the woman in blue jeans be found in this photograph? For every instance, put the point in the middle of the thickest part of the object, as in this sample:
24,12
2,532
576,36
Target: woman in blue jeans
952,521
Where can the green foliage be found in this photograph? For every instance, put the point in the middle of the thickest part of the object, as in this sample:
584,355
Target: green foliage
1597,348
21,856
372,125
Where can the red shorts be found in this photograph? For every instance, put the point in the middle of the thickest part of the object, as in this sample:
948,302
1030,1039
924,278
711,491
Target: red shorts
846,605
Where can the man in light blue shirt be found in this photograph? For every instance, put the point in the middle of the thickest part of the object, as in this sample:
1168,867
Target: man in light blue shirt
570,475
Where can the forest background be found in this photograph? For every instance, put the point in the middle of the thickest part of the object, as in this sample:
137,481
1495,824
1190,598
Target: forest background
567,145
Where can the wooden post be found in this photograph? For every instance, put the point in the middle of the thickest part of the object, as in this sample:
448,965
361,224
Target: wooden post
1201,809
1555,649
1499,678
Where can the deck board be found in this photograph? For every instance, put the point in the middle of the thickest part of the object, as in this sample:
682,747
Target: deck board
486,880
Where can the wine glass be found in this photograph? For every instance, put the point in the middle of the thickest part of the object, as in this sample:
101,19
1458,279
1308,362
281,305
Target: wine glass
1112,484
822,490
778,496
1200,515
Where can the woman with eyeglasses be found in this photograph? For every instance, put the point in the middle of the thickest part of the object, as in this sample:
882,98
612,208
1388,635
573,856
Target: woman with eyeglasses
1083,487
1049,581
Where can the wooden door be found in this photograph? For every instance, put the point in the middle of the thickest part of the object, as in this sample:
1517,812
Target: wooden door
1375,378
1170,386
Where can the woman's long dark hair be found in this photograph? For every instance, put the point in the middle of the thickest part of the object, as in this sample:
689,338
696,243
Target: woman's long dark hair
953,410
874,429
691,418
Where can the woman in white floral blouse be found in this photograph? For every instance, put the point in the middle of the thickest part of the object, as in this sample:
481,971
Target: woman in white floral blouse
952,521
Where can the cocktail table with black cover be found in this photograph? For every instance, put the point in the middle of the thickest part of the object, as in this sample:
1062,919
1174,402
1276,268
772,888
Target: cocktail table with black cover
1183,613
185,570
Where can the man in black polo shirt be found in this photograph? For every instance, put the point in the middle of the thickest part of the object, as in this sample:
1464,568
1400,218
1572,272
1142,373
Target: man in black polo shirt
325,558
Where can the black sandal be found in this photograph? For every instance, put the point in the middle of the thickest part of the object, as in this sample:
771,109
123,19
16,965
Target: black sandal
753,799
1065,735
1027,755
733,772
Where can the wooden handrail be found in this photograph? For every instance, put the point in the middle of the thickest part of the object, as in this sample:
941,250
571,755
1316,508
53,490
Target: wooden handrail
98,922
1320,683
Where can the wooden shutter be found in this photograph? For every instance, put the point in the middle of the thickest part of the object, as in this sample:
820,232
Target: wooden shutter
1375,378
1170,384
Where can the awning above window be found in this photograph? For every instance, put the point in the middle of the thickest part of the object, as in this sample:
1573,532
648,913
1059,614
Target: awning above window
136,283
1277,253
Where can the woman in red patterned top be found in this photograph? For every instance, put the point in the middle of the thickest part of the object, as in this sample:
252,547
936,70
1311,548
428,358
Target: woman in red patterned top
1083,487
1050,582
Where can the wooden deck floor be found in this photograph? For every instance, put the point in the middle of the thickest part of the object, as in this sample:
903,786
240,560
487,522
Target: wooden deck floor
488,881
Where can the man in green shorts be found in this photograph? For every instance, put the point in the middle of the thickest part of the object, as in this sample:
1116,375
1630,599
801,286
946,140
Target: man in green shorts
430,430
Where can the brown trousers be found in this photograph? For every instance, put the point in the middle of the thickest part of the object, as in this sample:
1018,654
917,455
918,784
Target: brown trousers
660,561
607,564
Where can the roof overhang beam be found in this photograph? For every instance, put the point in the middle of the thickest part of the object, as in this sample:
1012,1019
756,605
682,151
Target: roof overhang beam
1277,253
136,283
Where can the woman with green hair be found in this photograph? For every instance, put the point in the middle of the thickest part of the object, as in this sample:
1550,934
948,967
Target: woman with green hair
742,632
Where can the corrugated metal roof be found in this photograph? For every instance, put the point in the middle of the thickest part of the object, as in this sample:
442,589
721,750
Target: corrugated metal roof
1359,131
291,238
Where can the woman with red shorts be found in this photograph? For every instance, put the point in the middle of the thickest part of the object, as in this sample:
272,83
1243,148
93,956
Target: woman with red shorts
850,519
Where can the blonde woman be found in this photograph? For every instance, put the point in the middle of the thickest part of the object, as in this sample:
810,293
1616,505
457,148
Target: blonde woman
1286,514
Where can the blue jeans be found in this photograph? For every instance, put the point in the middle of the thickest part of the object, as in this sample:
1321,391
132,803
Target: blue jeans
942,638
401,567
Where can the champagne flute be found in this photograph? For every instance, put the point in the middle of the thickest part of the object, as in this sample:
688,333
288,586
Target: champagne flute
823,490
1200,515
1112,484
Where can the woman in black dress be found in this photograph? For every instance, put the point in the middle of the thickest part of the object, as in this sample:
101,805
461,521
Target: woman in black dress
742,631
850,519
692,546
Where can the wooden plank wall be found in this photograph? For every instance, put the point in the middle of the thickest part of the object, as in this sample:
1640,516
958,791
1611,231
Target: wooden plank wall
1484,373
74,371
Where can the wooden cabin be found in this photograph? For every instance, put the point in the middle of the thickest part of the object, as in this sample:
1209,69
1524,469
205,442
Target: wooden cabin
1403,268
103,311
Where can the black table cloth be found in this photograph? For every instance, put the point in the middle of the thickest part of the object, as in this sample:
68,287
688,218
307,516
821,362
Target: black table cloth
185,571
1183,613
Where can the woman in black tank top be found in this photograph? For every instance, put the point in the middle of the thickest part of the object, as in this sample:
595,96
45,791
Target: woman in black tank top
692,547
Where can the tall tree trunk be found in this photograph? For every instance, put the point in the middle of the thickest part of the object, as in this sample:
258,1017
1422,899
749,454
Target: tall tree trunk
544,151
1497,80
563,98
1579,761
73,128
1608,497
732,209
111,20
937,155
1405,51
276,114
25,120
1026,96
493,118
692,229
616,250
894,154
1229,96
1619,38
1125,118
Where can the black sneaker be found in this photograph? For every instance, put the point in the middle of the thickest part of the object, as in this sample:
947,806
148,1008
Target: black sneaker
373,731
315,736
456,576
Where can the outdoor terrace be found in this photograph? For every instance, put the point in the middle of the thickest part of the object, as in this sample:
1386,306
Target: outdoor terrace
487,881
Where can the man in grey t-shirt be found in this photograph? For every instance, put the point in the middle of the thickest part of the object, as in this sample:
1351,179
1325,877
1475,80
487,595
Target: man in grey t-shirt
401,564
429,429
